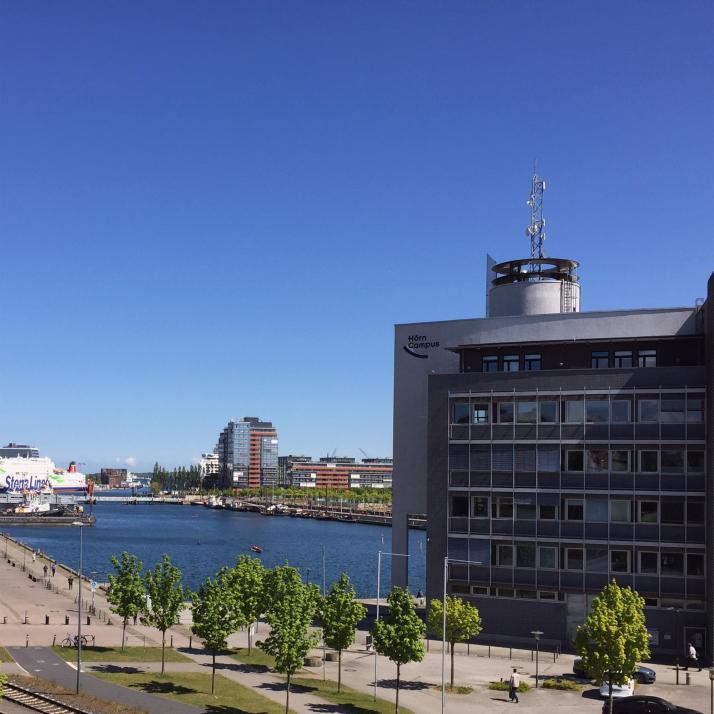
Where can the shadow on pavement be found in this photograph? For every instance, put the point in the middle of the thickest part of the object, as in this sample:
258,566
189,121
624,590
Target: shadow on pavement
341,709
592,694
157,687
404,684
114,668
280,687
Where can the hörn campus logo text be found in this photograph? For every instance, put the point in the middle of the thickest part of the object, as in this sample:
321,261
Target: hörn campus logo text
420,343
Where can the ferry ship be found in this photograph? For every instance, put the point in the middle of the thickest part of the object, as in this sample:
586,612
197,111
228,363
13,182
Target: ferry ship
21,474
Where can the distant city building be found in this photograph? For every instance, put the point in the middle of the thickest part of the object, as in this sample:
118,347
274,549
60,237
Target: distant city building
341,473
138,480
247,452
285,467
13,450
114,478
210,465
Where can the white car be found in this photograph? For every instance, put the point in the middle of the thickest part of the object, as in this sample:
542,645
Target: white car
618,690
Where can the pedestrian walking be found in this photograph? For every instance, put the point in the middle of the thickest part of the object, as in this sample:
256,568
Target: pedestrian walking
44,568
34,556
692,657
513,683
70,582
54,568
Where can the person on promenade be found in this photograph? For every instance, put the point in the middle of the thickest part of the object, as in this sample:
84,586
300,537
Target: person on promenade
44,569
34,556
70,582
513,683
692,657
54,568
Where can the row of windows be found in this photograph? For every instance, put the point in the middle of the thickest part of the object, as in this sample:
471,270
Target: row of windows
591,509
594,459
597,559
620,359
576,410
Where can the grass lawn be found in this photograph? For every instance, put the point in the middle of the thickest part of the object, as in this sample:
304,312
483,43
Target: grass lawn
4,656
114,654
194,688
358,702
257,658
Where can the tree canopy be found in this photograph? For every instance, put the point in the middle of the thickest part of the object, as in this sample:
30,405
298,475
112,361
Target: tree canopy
126,589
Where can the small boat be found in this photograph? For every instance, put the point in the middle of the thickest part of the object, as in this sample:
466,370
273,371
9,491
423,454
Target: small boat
256,548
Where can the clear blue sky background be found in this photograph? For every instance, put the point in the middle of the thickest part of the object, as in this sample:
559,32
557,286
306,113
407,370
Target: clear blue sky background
218,209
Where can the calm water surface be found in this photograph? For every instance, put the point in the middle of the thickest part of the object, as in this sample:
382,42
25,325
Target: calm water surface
201,540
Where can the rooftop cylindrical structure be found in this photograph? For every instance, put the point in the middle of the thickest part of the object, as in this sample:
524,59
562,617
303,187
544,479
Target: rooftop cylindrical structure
534,286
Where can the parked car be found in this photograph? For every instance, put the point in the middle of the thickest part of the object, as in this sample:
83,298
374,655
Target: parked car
645,705
618,690
644,675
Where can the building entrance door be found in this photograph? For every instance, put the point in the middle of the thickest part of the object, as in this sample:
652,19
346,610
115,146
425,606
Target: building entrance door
698,637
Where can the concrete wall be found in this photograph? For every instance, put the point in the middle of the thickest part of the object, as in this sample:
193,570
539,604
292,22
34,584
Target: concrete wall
530,298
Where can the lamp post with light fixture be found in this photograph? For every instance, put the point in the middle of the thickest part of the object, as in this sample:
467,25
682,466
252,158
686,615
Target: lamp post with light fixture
537,634
80,525
711,690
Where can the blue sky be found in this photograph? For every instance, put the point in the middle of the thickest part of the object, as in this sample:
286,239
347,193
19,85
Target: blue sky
210,210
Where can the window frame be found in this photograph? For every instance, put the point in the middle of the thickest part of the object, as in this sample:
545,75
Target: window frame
650,401
487,499
628,420
641,470
646,358
483,409
509,361
640,503
574,502
620,358
596,358
581,551
654,553
555,549
530,360
489,360
628,554
541,402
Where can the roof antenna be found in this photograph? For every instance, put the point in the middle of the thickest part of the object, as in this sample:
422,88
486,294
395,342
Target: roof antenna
536,229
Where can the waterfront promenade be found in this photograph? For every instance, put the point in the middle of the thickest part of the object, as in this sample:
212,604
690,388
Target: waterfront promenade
21,596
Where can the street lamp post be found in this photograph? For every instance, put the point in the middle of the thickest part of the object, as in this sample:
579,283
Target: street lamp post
79,603
711,690
537,634
379,573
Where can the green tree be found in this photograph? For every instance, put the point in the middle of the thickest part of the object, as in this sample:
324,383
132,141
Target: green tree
613,638
399,635
165,598
126,589
245,583
462,623
290,606
339,613
3,679
214,617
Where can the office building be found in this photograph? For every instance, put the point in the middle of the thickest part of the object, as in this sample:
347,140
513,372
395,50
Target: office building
554,450
13,450
341,472
248,454
209,466
114,478
285,467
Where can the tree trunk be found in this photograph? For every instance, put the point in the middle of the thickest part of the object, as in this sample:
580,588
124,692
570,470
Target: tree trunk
123,634
287,696
339,670
163,647
250,639
610,693
396,701
213,674
452,665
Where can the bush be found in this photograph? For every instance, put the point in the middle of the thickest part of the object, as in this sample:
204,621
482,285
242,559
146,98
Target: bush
503,686
560,683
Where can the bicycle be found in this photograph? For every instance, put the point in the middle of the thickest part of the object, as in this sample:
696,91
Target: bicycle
71,641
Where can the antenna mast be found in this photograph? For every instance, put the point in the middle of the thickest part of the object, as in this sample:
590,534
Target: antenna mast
536,229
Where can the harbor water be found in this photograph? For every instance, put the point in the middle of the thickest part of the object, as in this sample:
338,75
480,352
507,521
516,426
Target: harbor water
200,541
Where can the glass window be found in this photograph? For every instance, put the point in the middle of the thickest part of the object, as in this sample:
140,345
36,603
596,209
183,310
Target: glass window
573,558
648,410
479,507
574,509
620,411
524,457
480,412
459,506
480,457
458,456
527,594
621,510
510,363
648,562
574,411
460,413
596,411
504,555
547,512
526,412
505,412
695,461
574,460
647,358
525,556
600,360
695,511
672,461
480,551
479,590
505,592
623,359
596,510
672,512
547,594
695,605
596,560
695,564
620,561
672,411
502,507
648,511
620,460
672,563
649,461
548,458
596,460
502,457
548,411
525,511
547,557
695,409
490,363
531,362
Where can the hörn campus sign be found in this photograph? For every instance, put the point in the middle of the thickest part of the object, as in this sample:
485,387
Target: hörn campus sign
417,345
